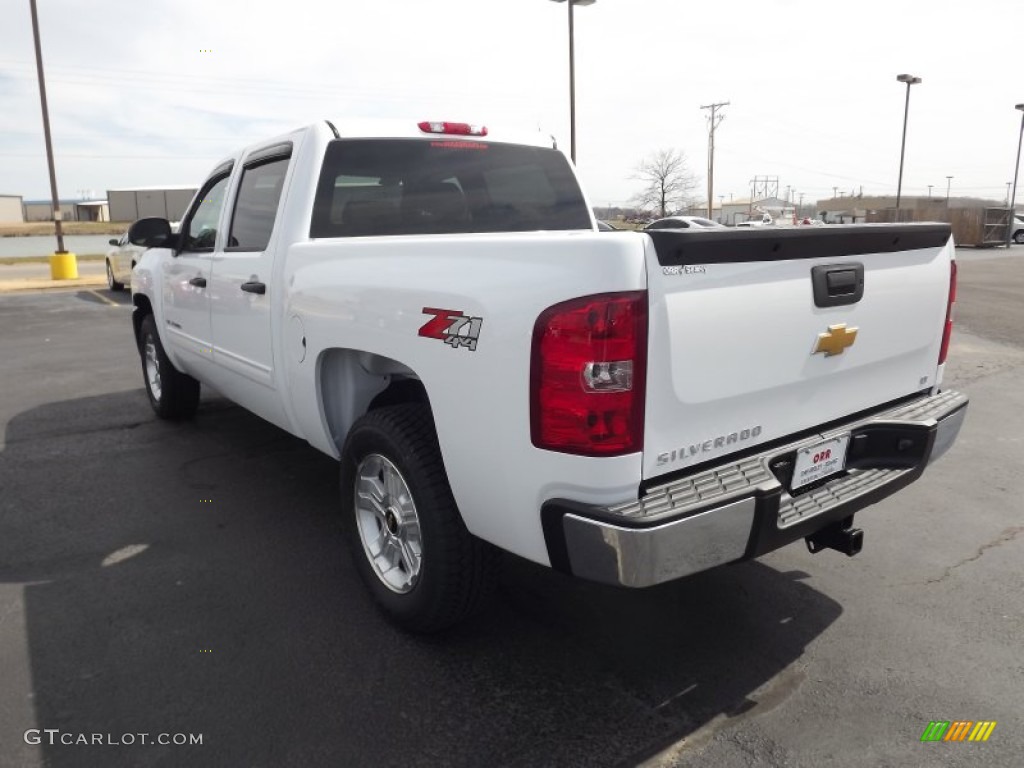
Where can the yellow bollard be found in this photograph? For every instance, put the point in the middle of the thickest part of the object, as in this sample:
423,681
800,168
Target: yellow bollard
63,266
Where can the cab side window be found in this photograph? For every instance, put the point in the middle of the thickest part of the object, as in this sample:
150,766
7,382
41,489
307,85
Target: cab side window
256,205
200,231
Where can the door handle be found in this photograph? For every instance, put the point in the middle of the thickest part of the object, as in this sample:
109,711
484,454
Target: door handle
254,287
198,282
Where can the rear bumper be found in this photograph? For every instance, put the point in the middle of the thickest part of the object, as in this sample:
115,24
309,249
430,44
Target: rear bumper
741,509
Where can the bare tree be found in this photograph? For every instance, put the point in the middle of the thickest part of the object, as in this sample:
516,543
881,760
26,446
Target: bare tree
668,183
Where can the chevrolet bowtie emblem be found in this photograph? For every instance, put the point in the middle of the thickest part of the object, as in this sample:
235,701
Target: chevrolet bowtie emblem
835,342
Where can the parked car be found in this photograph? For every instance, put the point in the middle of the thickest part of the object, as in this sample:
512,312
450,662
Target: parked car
121,260
766,220
684,222
1018,230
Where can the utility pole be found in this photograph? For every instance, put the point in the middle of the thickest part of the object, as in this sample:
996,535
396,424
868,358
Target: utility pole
948,180
713,121
930,191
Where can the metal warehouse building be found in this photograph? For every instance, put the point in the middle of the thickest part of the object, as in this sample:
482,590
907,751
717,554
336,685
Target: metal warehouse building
71,210
164,202
11,211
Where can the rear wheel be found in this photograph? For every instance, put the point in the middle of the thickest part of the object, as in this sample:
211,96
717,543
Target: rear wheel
410,546
173,394
1018,237
112,284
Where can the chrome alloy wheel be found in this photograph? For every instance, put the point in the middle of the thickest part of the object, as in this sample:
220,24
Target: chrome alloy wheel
110,277
153,368
389,527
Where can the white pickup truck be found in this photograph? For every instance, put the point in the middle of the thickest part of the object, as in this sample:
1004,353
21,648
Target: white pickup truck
433,305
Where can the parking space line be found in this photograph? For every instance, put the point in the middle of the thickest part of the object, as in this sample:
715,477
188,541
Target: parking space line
104,299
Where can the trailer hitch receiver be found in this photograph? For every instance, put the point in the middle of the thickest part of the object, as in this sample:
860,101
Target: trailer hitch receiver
840,536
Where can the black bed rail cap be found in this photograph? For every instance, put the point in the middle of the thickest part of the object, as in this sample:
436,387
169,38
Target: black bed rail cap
724,246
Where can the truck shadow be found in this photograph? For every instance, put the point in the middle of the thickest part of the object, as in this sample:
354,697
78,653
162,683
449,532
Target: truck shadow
192,579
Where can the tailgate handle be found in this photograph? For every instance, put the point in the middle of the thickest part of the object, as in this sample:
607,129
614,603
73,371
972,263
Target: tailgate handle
836,285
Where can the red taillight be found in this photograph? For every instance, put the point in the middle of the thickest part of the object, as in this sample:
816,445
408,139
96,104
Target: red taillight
453,129
587,375
947,329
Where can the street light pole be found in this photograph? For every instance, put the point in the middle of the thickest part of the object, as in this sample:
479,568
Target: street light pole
572,75
1016,168
909,80
46,130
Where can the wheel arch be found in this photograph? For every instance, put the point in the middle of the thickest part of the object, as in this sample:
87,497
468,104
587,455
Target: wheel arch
353,382
143,307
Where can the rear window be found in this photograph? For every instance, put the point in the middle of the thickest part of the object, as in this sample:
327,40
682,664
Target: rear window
418,187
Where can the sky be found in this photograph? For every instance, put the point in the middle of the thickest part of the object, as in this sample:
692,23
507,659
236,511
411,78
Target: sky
155,92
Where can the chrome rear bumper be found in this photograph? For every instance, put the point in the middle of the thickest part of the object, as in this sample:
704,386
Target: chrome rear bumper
741,509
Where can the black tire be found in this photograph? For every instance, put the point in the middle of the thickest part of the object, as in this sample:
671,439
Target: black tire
456,571
112,284
174,395
1018,237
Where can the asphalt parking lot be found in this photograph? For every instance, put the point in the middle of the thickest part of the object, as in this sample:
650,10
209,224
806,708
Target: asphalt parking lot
191,579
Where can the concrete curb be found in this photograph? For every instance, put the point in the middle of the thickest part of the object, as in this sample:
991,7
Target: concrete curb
44,284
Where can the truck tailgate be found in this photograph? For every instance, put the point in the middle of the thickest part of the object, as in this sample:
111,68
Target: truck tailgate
760,334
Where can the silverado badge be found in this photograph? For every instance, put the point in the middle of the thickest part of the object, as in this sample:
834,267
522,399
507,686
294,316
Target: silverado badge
836,340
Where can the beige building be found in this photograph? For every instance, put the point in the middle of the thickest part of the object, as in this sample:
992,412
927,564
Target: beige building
11,211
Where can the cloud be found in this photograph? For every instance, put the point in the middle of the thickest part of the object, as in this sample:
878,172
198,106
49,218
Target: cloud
135,99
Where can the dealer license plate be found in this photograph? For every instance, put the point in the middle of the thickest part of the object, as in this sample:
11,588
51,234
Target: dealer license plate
819,461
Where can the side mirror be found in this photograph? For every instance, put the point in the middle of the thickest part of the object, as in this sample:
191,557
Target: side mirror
114,241
150,233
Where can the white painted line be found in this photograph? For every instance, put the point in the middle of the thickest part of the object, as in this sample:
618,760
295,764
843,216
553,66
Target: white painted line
123,554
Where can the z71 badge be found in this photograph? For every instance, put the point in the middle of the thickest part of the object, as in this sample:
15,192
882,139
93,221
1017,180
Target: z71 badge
452,327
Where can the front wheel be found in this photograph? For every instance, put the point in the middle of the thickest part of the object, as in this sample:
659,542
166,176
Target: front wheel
1018,237
174,395
112,284
410,546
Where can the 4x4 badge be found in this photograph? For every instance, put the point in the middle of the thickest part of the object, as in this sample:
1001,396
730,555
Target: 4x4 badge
836,340
452,327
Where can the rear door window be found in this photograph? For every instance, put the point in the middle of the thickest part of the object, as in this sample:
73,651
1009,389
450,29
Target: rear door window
416,187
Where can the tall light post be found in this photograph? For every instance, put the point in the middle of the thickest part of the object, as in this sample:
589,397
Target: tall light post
572,76
948,179
1016,167
62,263
909,80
